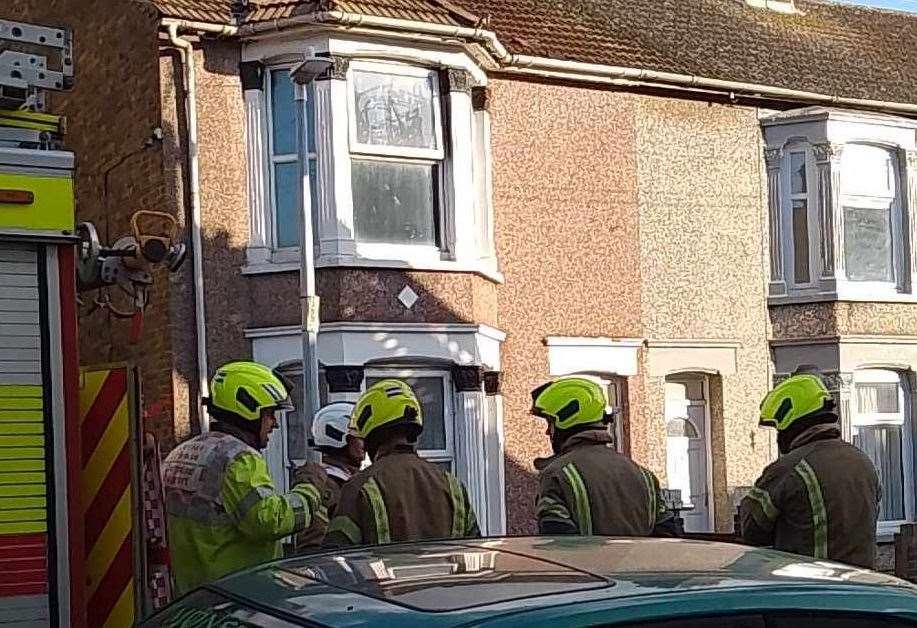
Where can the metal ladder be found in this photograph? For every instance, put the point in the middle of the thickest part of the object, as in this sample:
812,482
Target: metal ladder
26,76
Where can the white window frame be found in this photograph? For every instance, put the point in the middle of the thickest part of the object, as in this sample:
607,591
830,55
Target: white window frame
813,230
437,158
281,253
439,456
905,415
897,226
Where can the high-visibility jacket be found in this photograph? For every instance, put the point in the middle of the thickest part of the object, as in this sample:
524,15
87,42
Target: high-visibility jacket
590,489
333,478
821,500
223,511
401,497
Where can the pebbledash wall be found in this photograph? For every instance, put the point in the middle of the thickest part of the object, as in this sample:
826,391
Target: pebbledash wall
627,225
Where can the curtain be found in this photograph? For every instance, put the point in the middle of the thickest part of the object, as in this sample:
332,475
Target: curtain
882,443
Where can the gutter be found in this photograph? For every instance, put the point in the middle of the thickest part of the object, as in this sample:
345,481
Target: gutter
186,50
570,70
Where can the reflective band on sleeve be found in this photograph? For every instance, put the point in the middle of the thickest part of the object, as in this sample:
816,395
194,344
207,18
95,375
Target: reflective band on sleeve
380,513
347,527
583,508
550,507
302,517
651,494
309,492
763,499
819,514
252,499
458,507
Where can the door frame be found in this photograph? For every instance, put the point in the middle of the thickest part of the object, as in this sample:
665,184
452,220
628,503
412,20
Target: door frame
682,376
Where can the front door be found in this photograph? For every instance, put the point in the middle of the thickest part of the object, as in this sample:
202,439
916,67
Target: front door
688,447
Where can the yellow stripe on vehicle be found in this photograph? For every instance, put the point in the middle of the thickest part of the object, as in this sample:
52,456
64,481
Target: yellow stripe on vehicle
106,452
21,391
21,466
123,612
106,548
27,527
52,209
21,403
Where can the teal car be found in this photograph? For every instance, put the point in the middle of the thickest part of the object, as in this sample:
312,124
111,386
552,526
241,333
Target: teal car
551,582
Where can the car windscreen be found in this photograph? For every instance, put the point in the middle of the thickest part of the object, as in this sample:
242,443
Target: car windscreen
208,608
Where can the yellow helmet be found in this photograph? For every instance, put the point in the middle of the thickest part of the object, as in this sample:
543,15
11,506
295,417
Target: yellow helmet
570,402
389,402
246,388
793,399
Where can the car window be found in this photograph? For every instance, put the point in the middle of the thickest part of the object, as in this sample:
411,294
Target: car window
722,621
815,619
207,608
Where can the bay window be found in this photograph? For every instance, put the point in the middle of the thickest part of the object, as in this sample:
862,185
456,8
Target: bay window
398,156
842,191
881,426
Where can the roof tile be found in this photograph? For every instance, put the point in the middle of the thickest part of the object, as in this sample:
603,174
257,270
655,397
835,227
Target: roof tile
828,48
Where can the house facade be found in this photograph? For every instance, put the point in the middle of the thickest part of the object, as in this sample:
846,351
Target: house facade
683,200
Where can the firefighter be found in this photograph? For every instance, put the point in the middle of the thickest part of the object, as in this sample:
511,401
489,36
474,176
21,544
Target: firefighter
342,454
587,488
821,497
223,511
401,497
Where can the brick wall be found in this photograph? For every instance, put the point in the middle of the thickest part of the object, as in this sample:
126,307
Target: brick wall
111,114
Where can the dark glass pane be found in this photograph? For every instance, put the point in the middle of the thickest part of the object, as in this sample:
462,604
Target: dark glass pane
286,204
394,202
868,244
798,182
283,113
801,241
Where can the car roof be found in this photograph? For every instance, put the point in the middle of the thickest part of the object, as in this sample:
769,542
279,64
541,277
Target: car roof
458,580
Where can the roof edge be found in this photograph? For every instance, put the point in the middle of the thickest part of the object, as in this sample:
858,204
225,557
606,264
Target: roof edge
545,67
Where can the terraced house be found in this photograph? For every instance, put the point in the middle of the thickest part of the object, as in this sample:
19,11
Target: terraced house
685,199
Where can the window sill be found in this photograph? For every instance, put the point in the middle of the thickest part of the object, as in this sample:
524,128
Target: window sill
487,271
855,297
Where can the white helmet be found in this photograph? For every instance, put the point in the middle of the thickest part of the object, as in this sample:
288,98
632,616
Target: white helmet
331,425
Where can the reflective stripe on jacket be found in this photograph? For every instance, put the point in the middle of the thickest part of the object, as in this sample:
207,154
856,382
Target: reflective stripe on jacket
223,512
590,489
819,500
401,497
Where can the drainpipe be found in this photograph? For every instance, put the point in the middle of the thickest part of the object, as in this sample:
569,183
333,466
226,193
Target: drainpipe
186,52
